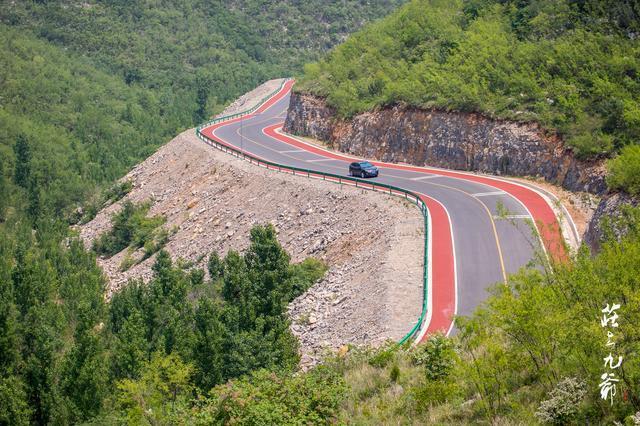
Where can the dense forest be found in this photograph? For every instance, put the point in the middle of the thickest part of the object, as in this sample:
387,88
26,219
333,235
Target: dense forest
67,356
95,87
572,66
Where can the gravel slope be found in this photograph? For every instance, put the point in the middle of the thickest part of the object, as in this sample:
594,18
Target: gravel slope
372,242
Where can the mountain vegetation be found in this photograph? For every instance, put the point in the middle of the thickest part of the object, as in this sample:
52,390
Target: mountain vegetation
532,354
90,88
570,65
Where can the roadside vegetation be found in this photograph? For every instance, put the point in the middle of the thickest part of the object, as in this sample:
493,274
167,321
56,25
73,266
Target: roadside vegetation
532,354
624,171
571,66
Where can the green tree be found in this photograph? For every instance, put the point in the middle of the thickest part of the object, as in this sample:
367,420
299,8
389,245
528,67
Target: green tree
130,348
14,406
4,193
208,350
215,266
85,375
22,172
624,170
270,398
160,396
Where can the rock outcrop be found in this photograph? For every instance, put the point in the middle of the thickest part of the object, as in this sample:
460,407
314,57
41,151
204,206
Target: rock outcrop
454,140
610,208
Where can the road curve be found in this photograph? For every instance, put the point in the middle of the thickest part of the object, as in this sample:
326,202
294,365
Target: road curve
480,227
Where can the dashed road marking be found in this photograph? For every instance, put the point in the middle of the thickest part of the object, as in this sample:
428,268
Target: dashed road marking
321,159
485,194
424,177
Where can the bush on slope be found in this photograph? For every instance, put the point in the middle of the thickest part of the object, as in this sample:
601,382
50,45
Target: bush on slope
572,66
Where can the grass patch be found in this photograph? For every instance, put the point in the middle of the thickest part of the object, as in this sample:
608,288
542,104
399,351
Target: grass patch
132,228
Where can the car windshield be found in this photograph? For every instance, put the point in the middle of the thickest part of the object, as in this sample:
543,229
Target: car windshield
366,165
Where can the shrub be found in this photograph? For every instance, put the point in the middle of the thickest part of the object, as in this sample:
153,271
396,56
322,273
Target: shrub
383,356
437,355
394,375
305,274
624,170
131,226
564,402
271,398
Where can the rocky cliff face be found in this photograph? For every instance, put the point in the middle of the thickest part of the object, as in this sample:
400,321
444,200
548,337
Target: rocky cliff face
463,141
610,209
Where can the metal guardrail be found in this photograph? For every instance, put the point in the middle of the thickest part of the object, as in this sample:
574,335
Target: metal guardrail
346,180
245,112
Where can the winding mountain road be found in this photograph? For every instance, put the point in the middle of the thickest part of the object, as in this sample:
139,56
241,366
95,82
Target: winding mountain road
480,227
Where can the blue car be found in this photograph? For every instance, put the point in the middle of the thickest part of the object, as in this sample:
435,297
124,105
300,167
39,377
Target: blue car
363,169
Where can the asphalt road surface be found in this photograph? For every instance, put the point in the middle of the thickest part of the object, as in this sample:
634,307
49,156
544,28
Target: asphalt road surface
481,227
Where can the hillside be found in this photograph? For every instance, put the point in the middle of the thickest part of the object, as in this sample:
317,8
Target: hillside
92,88
202,54
194,288
209,200
570,66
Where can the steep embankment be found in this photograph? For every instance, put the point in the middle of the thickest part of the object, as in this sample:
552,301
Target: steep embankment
462,141
372,243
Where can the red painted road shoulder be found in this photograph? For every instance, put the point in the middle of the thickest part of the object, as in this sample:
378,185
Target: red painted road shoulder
443,281
543,215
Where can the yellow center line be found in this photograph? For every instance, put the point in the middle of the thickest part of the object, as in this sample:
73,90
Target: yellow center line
468,194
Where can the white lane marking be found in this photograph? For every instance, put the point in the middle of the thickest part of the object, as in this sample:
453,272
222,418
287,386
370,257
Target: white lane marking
424,177
321,159
455,267
485,194
513,216
292,150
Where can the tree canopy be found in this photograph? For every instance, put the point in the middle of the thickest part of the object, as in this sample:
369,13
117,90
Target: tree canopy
570,65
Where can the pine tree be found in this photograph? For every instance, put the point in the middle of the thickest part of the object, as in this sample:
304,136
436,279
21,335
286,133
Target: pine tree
130,351
4,193
22,152
208,351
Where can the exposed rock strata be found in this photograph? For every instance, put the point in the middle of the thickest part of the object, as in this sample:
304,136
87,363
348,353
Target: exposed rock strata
610,208
454,140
